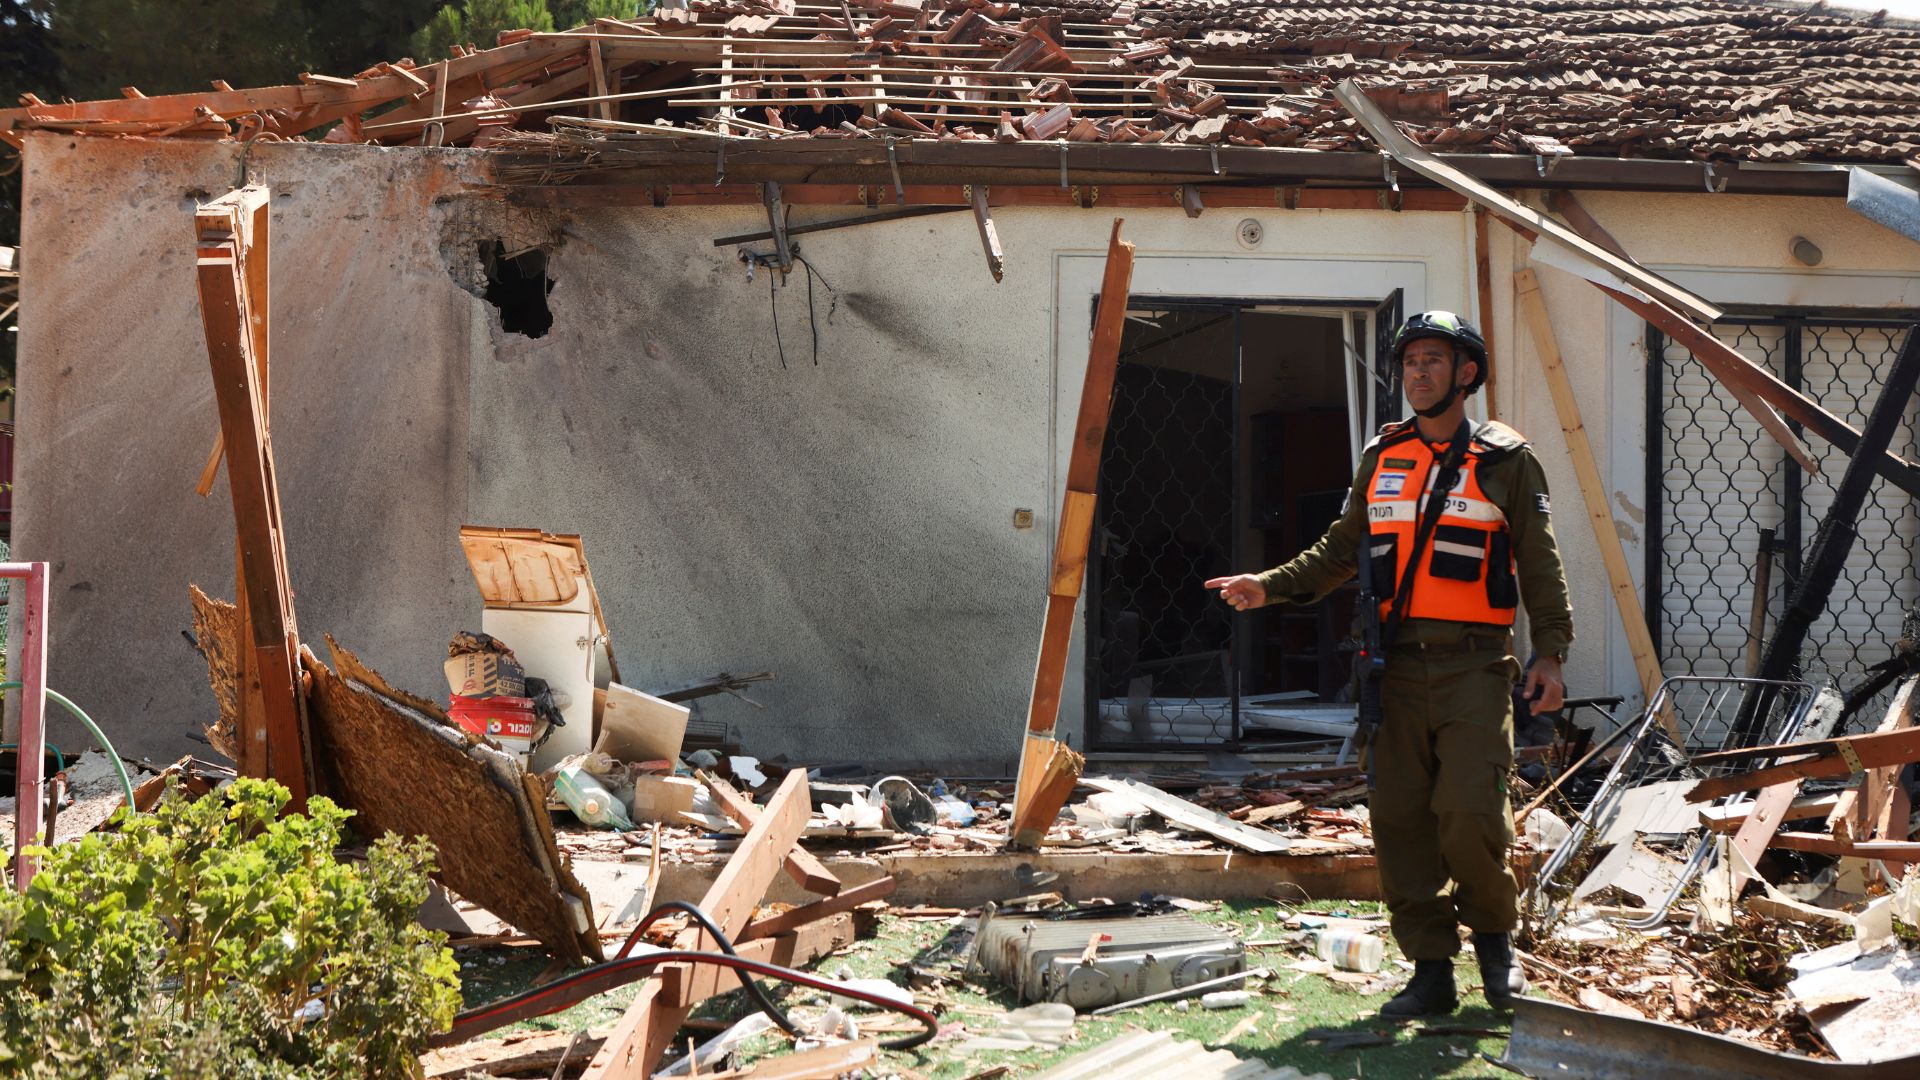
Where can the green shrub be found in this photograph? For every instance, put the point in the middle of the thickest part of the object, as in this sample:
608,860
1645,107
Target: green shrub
214,938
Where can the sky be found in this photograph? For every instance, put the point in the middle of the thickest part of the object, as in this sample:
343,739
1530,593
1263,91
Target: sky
1900,9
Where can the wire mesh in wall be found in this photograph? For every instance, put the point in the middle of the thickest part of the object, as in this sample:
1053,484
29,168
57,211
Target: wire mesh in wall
1722,481
1166,511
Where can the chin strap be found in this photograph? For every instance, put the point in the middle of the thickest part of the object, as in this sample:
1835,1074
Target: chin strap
1439,408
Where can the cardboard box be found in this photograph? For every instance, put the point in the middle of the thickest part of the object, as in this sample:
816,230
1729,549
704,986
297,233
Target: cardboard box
485,675
663,798
639,727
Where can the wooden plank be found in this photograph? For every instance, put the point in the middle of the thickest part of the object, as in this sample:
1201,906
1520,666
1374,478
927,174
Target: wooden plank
1824,760
1764,818
1741,374
363,95
793,918
1729,367
1192,816
641,1037
1726,819
989,236
801,865
1089,434
1891,851
232,260
524,1052
1048,770
599,66
1716,362
688,986
1406,152
1483,279
1036,789
1070,547
434,136
1859,808
1593,490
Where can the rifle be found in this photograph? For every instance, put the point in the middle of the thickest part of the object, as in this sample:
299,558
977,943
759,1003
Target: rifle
1370,662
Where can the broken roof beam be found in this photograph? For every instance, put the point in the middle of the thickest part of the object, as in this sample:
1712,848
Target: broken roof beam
989,235
1823,759
232,267
365,94
650,1022
1756,388
1048,768
1723,363
1419,160
806,871
1857,810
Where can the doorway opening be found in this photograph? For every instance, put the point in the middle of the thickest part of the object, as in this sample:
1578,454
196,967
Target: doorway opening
1234,434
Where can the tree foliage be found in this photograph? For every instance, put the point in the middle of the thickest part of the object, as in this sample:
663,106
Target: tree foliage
214,938
478,22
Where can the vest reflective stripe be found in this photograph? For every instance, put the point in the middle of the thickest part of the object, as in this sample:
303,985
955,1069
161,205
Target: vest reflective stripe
1469,544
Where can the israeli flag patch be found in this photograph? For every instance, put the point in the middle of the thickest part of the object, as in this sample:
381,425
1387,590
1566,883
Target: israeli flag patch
1541,504
1389,484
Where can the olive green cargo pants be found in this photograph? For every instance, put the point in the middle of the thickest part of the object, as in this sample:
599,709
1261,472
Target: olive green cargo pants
1438,767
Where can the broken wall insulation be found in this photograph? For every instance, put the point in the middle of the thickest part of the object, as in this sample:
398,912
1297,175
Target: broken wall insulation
403,767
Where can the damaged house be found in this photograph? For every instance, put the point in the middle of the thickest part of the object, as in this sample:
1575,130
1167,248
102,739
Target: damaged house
784,308
856,342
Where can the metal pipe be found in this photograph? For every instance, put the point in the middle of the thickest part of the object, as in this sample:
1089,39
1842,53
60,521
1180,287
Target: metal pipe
28,660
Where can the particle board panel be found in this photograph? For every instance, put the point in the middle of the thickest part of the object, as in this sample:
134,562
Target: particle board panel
406,770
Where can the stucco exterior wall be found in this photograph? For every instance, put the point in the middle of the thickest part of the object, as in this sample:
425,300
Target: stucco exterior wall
370,349
846,523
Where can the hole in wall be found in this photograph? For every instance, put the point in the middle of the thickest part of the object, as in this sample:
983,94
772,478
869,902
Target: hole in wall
517,286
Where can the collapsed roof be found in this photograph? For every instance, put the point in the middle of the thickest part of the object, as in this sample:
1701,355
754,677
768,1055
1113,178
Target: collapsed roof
1544,80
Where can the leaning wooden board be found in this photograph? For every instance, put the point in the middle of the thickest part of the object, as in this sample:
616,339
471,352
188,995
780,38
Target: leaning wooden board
1041,787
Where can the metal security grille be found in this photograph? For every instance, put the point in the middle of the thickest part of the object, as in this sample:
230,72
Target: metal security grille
1721,480
1165,523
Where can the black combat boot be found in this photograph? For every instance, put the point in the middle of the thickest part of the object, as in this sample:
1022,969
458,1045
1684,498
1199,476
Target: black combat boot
1499,975
1429,993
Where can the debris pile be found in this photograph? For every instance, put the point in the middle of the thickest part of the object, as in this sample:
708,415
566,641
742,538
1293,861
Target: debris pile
1734,869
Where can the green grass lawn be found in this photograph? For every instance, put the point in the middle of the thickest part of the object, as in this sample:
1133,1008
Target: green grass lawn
1285,1007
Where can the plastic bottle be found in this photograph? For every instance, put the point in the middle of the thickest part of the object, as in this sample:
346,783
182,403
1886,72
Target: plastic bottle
589,799
1225,999
1350,950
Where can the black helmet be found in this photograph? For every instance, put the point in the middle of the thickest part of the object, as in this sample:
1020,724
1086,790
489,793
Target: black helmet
1445,324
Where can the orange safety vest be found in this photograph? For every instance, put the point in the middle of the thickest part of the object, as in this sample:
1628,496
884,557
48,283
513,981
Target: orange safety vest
1466,573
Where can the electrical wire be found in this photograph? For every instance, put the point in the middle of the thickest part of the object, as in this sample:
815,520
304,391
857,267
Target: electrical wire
577,987
693,911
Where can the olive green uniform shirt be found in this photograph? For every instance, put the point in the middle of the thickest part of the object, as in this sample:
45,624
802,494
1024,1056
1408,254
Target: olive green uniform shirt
1512,481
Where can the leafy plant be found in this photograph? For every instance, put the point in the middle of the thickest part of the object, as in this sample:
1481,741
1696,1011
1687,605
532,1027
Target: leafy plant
477,22
214,938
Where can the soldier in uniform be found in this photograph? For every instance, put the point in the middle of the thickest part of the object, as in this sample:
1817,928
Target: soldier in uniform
1437,767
